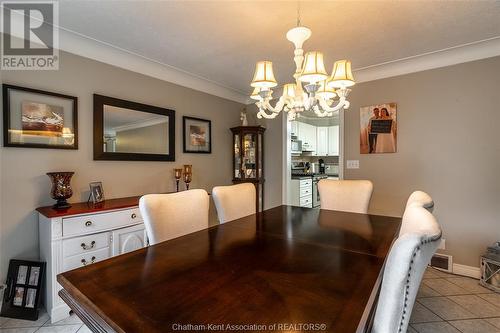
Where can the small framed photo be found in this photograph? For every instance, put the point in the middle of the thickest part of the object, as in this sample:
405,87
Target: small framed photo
34,276
30,298
35,118
18,296
96,192
197,135
22,273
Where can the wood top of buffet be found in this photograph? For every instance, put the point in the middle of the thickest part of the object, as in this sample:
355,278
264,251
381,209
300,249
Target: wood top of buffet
88,207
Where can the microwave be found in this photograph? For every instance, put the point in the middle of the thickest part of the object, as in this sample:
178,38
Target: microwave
296,147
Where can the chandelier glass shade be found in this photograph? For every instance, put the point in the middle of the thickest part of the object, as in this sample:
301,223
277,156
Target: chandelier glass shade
314,89
264,76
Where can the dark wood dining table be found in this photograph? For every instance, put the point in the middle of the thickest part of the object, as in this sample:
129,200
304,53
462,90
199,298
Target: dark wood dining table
283,269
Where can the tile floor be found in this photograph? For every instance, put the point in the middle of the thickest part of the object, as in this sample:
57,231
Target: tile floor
446,303
69,325
449,303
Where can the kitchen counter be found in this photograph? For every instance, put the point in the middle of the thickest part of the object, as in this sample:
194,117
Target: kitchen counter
312,175
302,177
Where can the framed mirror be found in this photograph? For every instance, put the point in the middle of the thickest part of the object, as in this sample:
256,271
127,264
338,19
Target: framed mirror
130,131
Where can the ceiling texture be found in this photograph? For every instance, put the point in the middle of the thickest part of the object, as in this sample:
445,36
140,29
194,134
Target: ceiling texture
221,40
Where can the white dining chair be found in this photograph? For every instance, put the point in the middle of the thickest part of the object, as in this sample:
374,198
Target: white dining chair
168,216
234,201
416,199
422,199
405,265
345,195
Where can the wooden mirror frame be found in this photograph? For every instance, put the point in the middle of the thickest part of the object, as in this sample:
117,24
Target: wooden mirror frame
100,154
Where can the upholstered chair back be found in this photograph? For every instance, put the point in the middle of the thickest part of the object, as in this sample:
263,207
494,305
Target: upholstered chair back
345,195
422,199
234,201
168,216
408,258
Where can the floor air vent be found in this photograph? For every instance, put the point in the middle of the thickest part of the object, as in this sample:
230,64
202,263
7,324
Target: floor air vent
442,261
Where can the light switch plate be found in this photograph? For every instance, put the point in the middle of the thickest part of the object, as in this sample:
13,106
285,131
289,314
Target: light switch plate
352,164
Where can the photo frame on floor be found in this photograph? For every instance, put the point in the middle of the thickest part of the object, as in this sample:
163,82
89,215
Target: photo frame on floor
24,289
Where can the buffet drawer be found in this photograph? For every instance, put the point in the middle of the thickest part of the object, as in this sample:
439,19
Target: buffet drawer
85,244
96,222
84,259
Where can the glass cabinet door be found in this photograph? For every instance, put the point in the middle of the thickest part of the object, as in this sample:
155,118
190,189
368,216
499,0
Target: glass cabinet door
260,152
237,156
249,167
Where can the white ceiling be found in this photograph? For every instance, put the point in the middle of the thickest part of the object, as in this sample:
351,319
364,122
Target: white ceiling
221,40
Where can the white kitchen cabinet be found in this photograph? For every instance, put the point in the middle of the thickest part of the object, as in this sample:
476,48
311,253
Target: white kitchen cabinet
322,141
333,141
301,192
295,128
307,134
128,239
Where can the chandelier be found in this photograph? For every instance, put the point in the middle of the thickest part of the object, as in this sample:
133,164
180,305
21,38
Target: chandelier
313,90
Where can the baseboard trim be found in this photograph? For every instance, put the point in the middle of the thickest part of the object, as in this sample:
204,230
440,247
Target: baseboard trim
59,312
469,271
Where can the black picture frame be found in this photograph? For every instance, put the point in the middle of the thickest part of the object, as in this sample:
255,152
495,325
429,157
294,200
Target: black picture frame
100,154
184,131
25,283
6,88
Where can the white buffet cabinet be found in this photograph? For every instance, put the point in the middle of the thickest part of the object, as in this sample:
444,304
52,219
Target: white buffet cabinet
72,241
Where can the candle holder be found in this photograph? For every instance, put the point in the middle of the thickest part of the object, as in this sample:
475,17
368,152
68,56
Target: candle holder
188,175
177,175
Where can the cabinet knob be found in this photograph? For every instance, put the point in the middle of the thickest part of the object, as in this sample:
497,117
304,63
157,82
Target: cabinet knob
134,215
86,247
85,263
88,223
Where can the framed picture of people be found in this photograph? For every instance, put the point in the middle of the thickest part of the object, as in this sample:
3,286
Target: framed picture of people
378,129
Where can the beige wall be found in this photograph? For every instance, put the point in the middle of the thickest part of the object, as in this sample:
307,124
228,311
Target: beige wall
448,145
24,185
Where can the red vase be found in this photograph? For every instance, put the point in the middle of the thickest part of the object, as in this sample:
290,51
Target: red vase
61,188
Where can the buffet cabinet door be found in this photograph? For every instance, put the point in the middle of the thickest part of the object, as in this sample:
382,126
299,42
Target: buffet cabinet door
128,239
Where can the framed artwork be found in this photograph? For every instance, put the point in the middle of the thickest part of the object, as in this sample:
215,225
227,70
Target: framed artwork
197,135
24,289
39,119
96,192
378,129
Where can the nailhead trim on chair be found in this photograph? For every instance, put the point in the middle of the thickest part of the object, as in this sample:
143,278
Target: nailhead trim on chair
422,242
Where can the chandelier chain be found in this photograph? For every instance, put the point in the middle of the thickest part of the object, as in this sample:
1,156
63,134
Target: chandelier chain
298,14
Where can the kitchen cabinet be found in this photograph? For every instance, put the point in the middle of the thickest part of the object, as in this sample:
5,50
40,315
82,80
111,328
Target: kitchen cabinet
333,141
295,128
322,143
301,192
307,134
